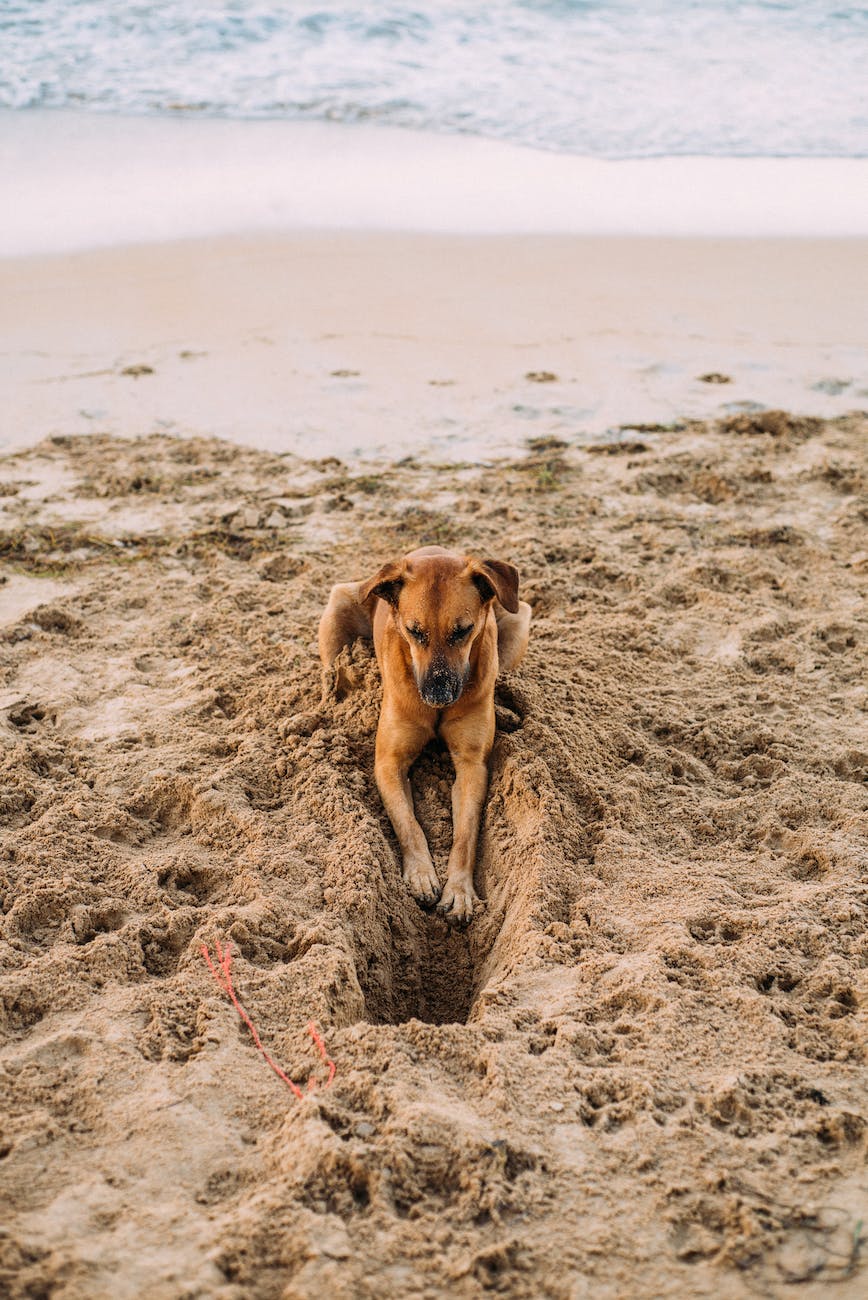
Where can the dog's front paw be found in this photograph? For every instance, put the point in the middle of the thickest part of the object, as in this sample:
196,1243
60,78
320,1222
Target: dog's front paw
456,901
421,880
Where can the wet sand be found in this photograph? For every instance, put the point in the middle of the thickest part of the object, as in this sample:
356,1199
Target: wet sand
382,344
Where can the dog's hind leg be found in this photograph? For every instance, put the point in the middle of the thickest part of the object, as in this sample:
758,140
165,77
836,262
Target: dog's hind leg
512,635
344,618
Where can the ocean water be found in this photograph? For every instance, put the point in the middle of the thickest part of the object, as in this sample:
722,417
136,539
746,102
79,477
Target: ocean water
599,78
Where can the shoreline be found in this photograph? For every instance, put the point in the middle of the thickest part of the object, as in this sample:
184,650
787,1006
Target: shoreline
90,180
368,344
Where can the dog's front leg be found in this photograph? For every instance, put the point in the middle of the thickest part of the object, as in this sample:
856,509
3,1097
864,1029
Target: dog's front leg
398,744
470,746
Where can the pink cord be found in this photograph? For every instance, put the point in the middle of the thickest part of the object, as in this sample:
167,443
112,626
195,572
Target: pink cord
221,973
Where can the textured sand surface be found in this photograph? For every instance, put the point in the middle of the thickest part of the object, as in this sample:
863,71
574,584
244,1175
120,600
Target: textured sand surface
640,1071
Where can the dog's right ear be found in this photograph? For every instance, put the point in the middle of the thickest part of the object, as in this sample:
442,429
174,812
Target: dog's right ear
386,584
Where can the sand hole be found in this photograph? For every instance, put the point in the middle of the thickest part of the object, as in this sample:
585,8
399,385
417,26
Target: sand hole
420,966
429,973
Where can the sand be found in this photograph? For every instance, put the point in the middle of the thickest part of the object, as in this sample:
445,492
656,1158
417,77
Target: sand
379,344
640,1071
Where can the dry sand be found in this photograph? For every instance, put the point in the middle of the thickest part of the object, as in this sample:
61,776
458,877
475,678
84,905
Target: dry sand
641,1071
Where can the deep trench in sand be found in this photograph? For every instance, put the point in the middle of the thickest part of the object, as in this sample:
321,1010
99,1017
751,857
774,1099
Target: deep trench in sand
432,977
420,966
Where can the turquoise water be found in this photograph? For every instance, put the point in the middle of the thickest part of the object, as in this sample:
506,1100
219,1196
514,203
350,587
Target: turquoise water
606,78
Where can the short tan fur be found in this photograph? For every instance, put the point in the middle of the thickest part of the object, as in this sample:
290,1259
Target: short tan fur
443,626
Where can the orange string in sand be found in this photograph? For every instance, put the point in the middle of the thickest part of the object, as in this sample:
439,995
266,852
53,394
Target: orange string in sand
221,973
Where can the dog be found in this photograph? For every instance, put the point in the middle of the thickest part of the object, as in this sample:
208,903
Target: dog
443,626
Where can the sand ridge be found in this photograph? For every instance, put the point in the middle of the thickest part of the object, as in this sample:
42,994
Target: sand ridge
640,1071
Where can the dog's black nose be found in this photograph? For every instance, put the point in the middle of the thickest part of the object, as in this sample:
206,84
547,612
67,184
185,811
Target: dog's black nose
440,687
439,697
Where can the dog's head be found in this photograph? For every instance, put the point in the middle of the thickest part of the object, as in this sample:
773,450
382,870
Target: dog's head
439,605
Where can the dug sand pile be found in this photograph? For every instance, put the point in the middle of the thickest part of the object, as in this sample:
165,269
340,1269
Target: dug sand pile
640,1071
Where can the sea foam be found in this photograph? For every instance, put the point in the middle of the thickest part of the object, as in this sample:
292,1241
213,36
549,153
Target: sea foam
83,180
604,78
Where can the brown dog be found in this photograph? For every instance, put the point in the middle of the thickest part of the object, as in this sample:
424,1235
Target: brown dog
443,625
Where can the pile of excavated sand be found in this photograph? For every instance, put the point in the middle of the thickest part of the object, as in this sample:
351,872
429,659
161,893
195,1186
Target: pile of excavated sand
639,1071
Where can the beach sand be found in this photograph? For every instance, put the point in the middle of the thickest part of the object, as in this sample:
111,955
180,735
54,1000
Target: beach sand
641,1070
374,344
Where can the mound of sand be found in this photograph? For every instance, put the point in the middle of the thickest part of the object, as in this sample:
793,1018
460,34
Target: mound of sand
640,1071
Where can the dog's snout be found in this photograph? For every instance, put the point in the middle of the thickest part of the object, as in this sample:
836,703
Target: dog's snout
441,685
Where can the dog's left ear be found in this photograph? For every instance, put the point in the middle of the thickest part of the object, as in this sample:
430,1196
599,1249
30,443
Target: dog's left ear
386,584
496,578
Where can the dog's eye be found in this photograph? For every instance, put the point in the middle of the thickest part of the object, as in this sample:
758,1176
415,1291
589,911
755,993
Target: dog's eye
417,634
459,634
